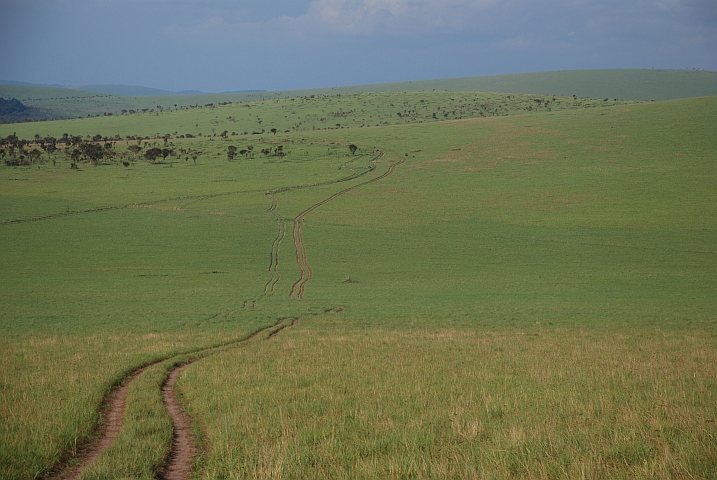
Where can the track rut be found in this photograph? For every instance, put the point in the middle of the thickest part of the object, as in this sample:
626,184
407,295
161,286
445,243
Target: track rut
184,449
297,290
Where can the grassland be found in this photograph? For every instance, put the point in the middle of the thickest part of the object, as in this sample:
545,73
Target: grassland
531,295
625,84
326,401
307,114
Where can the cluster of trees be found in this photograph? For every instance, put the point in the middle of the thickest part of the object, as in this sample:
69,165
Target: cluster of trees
15,151
18,152
153,154
246,152
277,151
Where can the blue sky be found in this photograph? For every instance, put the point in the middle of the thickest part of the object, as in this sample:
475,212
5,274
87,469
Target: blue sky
222,45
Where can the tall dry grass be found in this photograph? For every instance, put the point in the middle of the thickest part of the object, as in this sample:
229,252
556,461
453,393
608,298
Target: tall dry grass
465,403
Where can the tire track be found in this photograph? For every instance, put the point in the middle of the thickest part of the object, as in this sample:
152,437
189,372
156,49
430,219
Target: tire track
274,276
294,321
297,290
183,452
113,407
275,250
112,418
184,443
122,207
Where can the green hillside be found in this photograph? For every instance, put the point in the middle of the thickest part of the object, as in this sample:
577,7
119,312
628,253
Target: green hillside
308,113
521,295
627,84
65,103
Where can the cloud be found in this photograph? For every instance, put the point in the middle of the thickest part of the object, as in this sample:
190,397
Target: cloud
401,17
502,18
358,18
618,32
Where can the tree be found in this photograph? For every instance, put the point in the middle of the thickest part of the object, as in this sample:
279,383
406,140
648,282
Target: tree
273,130
353,149
231,152
92,152
50,148
135,149
153,154
34,155
75,156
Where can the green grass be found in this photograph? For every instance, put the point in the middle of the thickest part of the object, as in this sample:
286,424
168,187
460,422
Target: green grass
548,264
326,401
308,113
624,84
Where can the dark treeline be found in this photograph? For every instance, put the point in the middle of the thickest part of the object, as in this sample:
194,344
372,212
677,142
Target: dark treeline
17,152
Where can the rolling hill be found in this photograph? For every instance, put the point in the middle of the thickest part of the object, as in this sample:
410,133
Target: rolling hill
626,84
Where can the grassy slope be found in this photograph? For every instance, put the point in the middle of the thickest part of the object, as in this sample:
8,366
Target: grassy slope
601,223
626,84
308,114
326,401
601,218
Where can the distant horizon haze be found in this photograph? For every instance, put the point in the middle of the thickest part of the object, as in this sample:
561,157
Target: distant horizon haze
223,46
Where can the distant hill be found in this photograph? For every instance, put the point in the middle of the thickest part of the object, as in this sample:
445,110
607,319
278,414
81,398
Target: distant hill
12,105
13,82
130,90
624,84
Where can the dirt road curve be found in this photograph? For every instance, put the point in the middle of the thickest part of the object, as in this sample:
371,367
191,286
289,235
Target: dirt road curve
112,419
184,449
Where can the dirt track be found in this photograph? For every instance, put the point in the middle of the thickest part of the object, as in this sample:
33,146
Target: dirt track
270,287
297,290
184,448
112,419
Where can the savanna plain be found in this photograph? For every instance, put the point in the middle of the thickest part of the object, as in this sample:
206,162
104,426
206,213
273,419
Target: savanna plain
444,285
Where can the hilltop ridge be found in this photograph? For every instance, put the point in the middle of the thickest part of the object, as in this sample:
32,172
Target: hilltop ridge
48,103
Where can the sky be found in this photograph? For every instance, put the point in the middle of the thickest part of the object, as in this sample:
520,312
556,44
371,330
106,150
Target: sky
223,45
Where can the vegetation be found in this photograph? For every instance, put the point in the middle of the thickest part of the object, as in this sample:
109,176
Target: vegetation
625,84
326,401
521,295
302,114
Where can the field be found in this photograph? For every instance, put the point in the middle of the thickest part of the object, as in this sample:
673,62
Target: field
523,294
624,85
